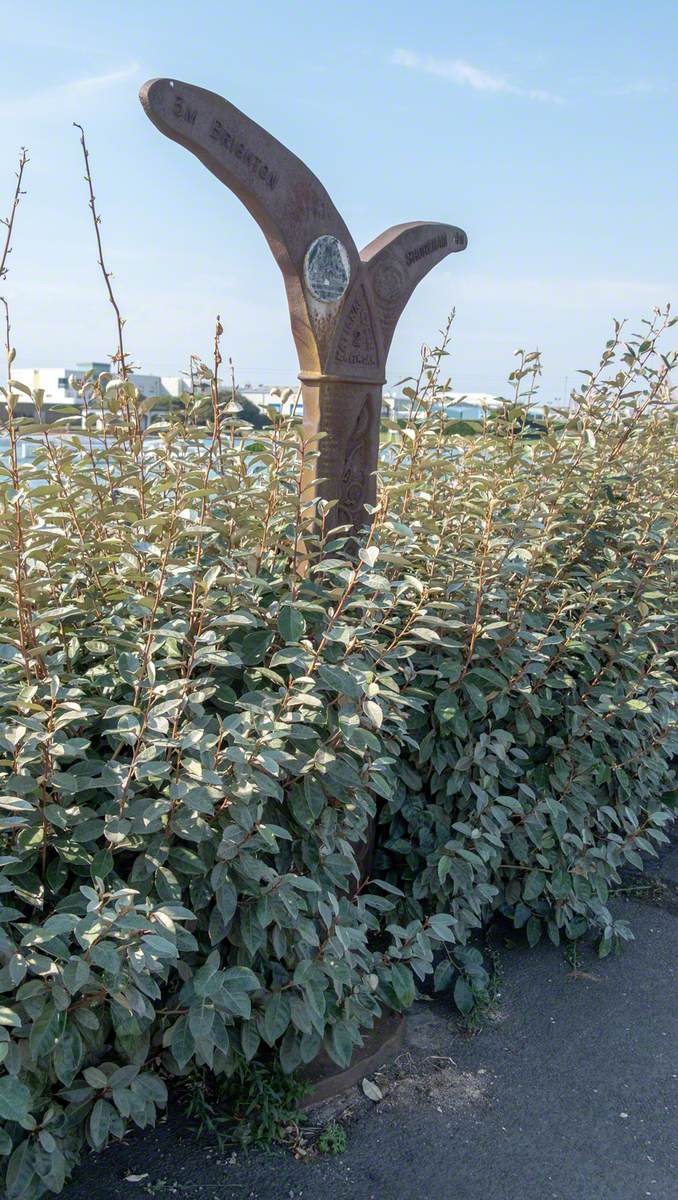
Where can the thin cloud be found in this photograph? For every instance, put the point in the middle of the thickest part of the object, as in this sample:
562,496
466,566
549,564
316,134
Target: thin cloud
464,74
54,100
641,87
94,82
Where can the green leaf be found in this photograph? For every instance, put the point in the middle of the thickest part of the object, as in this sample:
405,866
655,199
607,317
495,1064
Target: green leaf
102,864
445,864
310,978
100,1123
106,956
277,1015
476,697
255,645
291,624
606,942
75,974
227,901
403,984
68,1054
442,924
236,983
447,705
463,995
181,1043
95,1077
201,1021
290,1052
533,930
45,1031
20,1176
337,679
15,1099
206,973
249,1040
339,1044
534,885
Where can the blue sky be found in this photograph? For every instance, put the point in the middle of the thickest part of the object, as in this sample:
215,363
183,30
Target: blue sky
546,130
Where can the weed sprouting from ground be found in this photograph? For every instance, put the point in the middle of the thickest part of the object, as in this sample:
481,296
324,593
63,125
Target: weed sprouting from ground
332,1140
258,1106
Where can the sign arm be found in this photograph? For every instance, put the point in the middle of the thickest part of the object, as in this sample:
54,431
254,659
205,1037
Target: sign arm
398,260
286,199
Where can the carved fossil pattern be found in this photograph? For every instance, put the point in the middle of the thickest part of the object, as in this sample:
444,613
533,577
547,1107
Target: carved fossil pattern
355,476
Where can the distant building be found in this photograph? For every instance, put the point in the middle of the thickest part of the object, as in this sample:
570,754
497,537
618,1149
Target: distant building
183,385
470,406
460,406
60,387
175,385
284,400
389,406
59,384
289,402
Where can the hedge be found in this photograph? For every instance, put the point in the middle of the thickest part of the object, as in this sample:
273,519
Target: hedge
206,698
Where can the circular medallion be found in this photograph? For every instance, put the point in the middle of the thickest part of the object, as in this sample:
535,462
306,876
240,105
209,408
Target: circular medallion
327,269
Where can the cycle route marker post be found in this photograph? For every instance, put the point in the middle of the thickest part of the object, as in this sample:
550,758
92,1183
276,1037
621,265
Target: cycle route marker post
344,306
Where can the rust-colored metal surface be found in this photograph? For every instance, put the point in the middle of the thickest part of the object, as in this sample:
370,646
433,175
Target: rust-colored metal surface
344,305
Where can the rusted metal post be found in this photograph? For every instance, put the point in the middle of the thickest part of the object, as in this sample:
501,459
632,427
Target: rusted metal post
344,305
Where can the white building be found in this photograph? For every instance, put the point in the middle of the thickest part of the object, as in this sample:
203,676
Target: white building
289,401
284,400
390,405
175,385
460,406
183,385
59,384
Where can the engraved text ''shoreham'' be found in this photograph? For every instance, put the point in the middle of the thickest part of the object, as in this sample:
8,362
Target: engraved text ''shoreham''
434,243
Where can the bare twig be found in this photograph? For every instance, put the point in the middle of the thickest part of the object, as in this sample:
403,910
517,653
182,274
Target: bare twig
121,356
25,629
8,222
214,389
130,398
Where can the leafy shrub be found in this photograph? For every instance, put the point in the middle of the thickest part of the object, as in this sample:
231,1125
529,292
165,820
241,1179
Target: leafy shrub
205,703
548,605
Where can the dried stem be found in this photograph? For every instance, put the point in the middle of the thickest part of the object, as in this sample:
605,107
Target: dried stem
214,389
121,356
8,222
132,415
26,632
